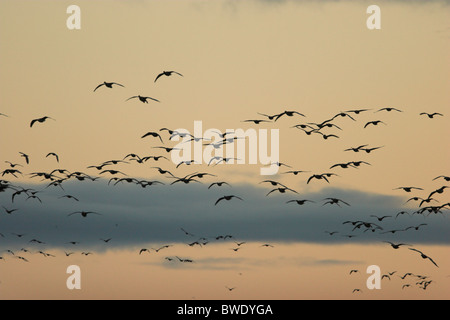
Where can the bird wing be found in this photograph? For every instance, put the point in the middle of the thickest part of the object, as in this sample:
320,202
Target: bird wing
102,84
131,98
158,76
152,99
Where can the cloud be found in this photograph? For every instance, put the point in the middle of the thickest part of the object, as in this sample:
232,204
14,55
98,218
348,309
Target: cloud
133,216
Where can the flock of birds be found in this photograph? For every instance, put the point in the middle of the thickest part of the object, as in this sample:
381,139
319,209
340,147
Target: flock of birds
427,205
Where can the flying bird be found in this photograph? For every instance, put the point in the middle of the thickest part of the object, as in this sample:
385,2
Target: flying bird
289,114
228,198
108,85
396,246
27,157
167,74
219,184
375,123
281,190
153,134
389,110
84,214
432,115
40,120
143,99
54,155
424,256
407,189
300,202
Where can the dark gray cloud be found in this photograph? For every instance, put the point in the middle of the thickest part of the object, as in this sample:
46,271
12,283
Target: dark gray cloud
133,216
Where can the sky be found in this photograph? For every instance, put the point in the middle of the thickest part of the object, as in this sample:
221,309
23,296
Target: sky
236,60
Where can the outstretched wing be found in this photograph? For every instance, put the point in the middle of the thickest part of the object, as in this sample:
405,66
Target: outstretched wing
102,84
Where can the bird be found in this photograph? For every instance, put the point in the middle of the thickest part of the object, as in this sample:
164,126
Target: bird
69,197
40,120
424,256
25,156
408,189
186,232
143,99
446,178
167,74
356,149
375,123
4,115
163,247
327,136
54,155
342,165
381,218
300,202
84,214
281,190
439,191
228,198
388,110
294,172
273,183
153,134
353,271
219,184
369,150
13,165
10,211
143,250
230,289
318,177
342,115
255,121
335,201
289,114
167,149
396,246
416,227
108,85
268,116
432,115
358,111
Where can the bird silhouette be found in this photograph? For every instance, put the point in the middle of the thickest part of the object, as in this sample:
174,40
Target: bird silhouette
431,115
219,184
281,190
153,134
289,114
389,109
54,155
396,246
167,74
40,120
424,256
300,202
407,189
143,99
375,123
84,214
108,85
227,198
